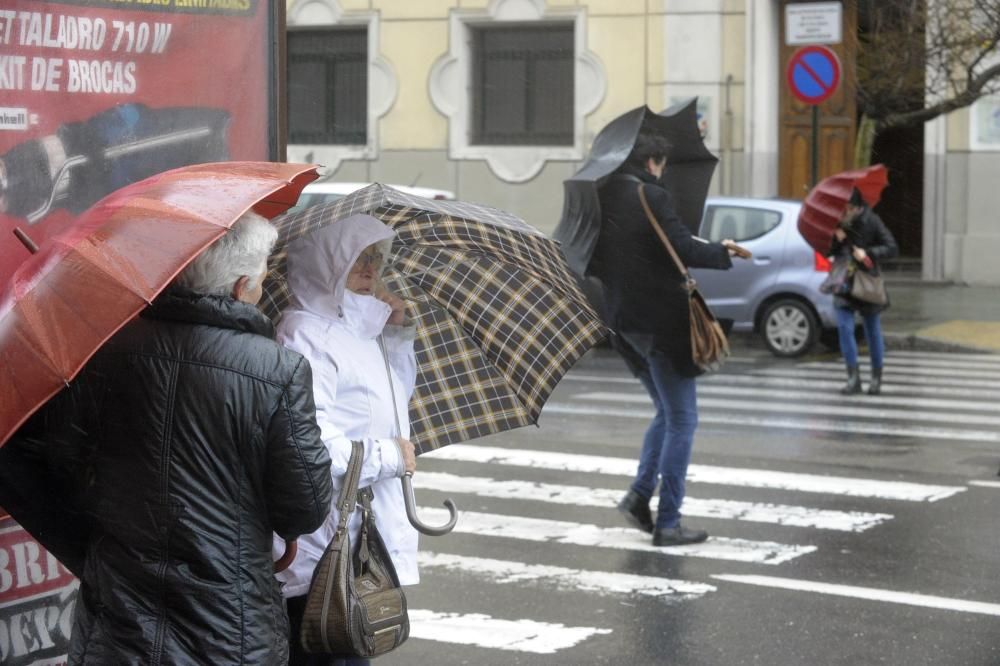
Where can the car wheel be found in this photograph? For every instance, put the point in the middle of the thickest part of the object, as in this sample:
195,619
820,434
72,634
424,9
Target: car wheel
789,327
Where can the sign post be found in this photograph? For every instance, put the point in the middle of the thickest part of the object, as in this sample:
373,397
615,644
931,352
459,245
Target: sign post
813,75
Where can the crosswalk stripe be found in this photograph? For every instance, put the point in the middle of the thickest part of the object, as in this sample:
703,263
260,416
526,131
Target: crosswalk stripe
831,385
891,377
870,593
957,372
617,538
484,631
852,408
732,476
950,363
985,484
811,424
562,578
956,406
984,357
777,514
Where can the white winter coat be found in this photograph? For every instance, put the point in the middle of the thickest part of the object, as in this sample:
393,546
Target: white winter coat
337,331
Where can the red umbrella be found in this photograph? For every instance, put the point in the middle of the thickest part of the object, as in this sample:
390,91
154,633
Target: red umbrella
825,203
66,300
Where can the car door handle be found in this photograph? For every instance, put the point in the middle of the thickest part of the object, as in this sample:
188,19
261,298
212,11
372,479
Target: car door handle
761,261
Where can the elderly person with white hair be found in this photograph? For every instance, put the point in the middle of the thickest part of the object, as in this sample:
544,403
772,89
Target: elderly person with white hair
184,444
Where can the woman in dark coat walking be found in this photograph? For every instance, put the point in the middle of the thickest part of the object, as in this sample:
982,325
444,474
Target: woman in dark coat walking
647,306
864,239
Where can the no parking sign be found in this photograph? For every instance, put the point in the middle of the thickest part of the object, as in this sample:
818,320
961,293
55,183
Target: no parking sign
813,74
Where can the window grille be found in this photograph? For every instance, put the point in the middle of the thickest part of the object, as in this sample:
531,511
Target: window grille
522,85
328,85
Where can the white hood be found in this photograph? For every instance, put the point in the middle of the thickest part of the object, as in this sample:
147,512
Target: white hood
318,263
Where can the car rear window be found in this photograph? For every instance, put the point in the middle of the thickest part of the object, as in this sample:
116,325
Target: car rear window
738,223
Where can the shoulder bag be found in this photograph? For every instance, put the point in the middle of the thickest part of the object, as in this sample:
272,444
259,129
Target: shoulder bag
355,606
709,346
868,287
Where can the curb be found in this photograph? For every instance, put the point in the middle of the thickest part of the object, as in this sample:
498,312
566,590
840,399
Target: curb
914,342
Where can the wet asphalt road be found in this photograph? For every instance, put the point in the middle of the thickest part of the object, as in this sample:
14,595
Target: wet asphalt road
844,530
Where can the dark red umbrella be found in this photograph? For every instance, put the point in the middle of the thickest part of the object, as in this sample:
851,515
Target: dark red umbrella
825,203
66,300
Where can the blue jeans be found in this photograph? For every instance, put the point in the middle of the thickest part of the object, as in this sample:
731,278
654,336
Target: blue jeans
666,447
873,334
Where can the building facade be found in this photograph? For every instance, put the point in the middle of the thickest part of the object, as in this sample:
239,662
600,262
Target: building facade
499,101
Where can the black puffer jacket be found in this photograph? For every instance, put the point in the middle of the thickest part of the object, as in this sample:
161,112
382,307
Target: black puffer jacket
868,232
199,440
645,298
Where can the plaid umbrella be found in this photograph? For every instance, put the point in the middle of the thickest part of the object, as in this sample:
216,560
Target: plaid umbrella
499,316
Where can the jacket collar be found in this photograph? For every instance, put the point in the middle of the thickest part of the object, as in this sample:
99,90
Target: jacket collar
365,316
184,305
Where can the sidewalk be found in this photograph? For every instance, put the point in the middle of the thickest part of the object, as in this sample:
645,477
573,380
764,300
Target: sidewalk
942,317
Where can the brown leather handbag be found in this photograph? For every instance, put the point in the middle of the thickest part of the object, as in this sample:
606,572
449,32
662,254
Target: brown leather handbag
355,606
709,346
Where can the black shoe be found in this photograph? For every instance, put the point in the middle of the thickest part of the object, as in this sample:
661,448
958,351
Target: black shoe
636,511
853,385
875,387
678,536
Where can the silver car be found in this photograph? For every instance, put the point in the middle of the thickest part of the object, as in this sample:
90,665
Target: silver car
776,293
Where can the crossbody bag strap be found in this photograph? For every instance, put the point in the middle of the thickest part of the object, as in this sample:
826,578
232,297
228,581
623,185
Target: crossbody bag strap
663,237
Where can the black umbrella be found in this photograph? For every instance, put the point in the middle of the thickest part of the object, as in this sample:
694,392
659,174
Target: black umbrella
688,175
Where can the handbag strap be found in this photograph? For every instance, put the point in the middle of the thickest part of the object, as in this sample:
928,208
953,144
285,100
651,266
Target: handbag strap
349,492
663,237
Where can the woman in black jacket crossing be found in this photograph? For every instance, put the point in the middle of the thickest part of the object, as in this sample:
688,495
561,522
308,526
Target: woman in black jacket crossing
864,239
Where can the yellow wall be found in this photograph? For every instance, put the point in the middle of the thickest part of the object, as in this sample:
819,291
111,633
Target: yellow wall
412,47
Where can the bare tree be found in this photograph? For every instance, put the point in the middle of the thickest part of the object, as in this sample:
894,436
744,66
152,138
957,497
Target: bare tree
919,59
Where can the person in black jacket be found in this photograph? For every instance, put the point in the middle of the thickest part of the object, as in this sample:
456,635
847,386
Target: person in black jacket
183,445
646,305
863,238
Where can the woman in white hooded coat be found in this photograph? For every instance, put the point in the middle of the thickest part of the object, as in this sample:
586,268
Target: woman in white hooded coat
338,314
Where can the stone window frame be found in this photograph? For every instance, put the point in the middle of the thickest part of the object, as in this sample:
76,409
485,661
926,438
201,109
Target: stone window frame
450,85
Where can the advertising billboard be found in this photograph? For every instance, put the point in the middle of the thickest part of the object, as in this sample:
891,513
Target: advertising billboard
97,94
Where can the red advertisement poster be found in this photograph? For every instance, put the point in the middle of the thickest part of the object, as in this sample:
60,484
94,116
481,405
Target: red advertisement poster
97,94
37,600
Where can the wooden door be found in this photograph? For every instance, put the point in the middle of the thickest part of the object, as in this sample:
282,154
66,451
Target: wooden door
837,118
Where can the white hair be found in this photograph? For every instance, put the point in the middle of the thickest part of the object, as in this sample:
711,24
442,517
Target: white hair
241,251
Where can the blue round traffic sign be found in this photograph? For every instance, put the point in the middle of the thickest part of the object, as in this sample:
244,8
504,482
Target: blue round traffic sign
813,73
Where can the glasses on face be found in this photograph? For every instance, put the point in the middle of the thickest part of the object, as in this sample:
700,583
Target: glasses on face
366,259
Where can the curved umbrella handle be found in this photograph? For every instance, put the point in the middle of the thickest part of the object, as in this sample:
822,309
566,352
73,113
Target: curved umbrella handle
283,562
411,511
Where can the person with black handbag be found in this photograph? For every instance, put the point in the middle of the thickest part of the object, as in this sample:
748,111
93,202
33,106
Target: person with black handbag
647,304
360,345
863,240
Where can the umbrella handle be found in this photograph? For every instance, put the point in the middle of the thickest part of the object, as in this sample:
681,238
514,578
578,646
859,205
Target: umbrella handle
283,562
411,511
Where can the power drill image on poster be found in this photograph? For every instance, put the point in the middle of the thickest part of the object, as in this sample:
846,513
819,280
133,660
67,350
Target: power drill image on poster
84,161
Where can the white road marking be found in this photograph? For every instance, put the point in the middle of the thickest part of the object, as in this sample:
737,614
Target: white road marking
732,476
869,593
890,378
908,353
617,538
852,408
985,484
813,424
777,514
603,583
488,632
819,386
924,370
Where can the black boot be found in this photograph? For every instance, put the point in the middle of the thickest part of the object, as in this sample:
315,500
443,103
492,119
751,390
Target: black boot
875,387
635,508
678,536
853,384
